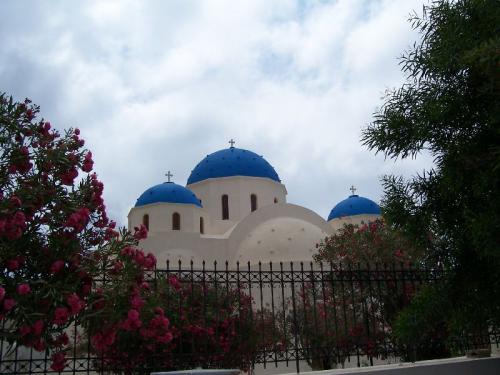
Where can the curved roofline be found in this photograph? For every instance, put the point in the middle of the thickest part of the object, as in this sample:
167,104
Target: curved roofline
270,212
169,193
229,162
352,206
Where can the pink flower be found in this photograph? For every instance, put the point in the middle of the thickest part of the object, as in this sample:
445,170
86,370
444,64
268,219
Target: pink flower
150,261
166,338
127,251
62,339
19,219
23,289
174,281
76,304
58,361
12,264
102,340
133,314
38,327
69,176
39,345
61,315
88,163
132,322
2,293
57,266
136,302
8,304
141,232
78,220
117,266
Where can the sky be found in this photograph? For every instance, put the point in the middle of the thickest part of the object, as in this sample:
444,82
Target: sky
155,86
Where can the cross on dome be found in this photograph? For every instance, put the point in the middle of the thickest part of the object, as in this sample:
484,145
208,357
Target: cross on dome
232,142
353,189
169,176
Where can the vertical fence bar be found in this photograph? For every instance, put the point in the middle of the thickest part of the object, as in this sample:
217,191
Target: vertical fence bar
315,317
262,314
217,302
271,285
295,323
354,317
373,314
285,320
342,287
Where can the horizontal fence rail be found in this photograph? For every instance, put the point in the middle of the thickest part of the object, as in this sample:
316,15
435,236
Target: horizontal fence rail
309,316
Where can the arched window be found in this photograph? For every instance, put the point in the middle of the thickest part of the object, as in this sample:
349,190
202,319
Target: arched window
225,207
275,200
253,202
202,226
145,221
176,221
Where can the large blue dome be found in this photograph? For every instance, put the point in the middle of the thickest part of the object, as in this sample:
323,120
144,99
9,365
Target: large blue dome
232,162
168,192
354,205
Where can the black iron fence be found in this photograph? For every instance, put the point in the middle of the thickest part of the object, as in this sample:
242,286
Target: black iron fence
303,316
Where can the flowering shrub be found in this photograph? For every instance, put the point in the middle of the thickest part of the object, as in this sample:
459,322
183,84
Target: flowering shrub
355,311
335,321
51,215
367,244
62,263
147,323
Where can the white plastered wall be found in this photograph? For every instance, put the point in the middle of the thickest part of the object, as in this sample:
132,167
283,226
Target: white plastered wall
160,217
281,232
238,189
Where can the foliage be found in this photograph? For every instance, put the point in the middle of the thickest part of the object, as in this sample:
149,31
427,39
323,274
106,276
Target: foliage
48,225
363,297
420,329
449,108
333,321
372,243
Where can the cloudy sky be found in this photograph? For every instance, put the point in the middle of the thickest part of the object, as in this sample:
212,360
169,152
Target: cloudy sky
157,85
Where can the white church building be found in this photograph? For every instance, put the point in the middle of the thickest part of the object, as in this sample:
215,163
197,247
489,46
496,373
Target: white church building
234,209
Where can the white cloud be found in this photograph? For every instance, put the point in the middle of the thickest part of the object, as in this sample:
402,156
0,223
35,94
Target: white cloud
158,85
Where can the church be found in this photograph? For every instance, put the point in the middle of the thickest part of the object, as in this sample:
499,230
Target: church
234,208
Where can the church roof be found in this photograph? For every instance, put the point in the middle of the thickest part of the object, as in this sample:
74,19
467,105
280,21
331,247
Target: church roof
232,162
354,205
168,192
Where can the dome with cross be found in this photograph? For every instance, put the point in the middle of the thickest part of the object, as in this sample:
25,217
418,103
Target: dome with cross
354,205
168,192
230,162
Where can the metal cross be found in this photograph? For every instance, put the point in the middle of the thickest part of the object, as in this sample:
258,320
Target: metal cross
231,142
169,176
353,189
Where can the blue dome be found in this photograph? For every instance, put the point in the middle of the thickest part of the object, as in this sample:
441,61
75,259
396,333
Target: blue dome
354,205
232,162
168,192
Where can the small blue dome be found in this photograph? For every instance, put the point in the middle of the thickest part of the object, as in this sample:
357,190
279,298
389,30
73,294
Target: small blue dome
354,205
168,192
232,162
